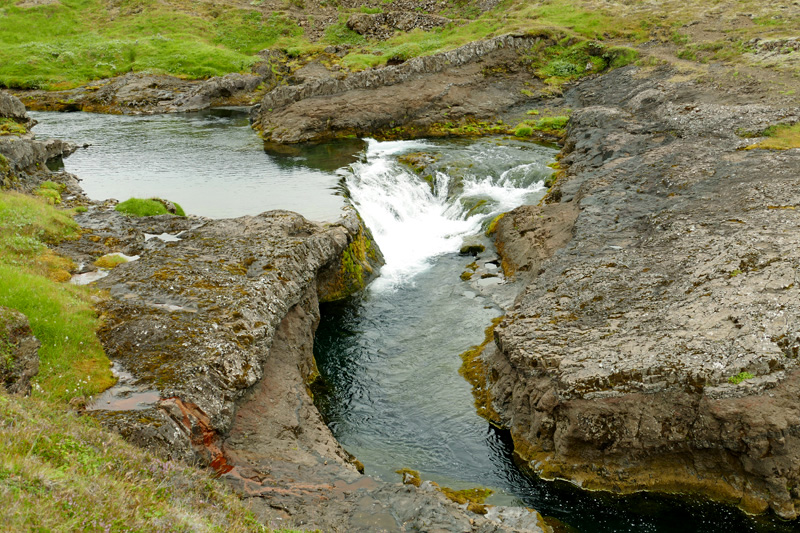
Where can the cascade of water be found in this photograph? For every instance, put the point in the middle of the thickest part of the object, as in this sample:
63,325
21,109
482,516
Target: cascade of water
414,222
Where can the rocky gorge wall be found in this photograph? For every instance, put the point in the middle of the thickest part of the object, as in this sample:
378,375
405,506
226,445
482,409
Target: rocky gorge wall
654,346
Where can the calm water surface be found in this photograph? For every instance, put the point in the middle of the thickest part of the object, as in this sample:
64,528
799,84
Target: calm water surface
210,162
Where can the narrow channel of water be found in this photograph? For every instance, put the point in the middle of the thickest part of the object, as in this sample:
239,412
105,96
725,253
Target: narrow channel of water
210,162
390,359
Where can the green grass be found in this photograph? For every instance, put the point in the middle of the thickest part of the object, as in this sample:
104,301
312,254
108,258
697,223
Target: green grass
139,207
72,361
551,125
74,41
62,472
780,137
10,127
741,376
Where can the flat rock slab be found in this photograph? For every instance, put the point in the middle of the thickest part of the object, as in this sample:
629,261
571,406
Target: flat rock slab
616,365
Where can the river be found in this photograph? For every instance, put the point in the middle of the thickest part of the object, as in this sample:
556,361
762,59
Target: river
389,358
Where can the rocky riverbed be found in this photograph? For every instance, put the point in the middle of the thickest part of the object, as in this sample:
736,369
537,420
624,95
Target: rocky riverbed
653,345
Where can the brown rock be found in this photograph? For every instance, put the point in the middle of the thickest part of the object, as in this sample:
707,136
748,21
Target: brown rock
19,352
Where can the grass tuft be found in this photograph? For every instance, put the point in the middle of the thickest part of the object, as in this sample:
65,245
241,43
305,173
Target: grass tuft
780,137
139,207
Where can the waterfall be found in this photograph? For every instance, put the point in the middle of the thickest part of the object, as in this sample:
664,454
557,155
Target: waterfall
414,221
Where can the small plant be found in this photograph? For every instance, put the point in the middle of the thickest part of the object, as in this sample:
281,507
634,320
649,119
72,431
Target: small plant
741,376
110,261
735,273
139,207
10,127
523,130
779,137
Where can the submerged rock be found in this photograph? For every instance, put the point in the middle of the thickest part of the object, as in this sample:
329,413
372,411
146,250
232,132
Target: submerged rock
663,271
19,352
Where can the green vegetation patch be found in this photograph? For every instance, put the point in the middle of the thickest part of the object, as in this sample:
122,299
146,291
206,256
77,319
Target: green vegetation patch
66,43
741,376
139,207
779,137
110,261
62,472
571,58
9,126
61,316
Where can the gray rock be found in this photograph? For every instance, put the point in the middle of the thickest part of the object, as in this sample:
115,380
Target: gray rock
663,264
449,86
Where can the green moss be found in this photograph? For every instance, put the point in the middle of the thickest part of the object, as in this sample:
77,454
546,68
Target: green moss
493,224
741,376
778,137
110,261
9,126
139,207
355,270
523,130
410,477
474,371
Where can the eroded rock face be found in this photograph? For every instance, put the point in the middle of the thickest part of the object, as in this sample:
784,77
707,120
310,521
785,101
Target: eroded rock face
216,333
415,95
616,367
19,352
22,158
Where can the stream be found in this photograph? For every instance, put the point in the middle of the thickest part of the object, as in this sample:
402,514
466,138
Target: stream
389,358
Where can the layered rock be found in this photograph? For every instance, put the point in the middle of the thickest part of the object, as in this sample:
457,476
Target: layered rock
416,95
212,335
655,346
22,157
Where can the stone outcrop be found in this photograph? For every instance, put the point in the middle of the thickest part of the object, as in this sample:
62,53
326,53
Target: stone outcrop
19,352
383,25
655,345
22,157
450,86
137,93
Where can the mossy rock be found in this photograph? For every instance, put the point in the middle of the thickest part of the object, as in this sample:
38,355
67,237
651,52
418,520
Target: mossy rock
358,265
150,207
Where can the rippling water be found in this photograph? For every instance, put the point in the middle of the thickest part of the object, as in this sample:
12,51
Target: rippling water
390,359
211,162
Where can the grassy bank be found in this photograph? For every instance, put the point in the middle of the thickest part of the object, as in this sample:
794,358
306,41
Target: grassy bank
62,44
60,471
61,316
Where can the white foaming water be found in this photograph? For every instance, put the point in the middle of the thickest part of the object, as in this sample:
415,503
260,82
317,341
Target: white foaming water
413,224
